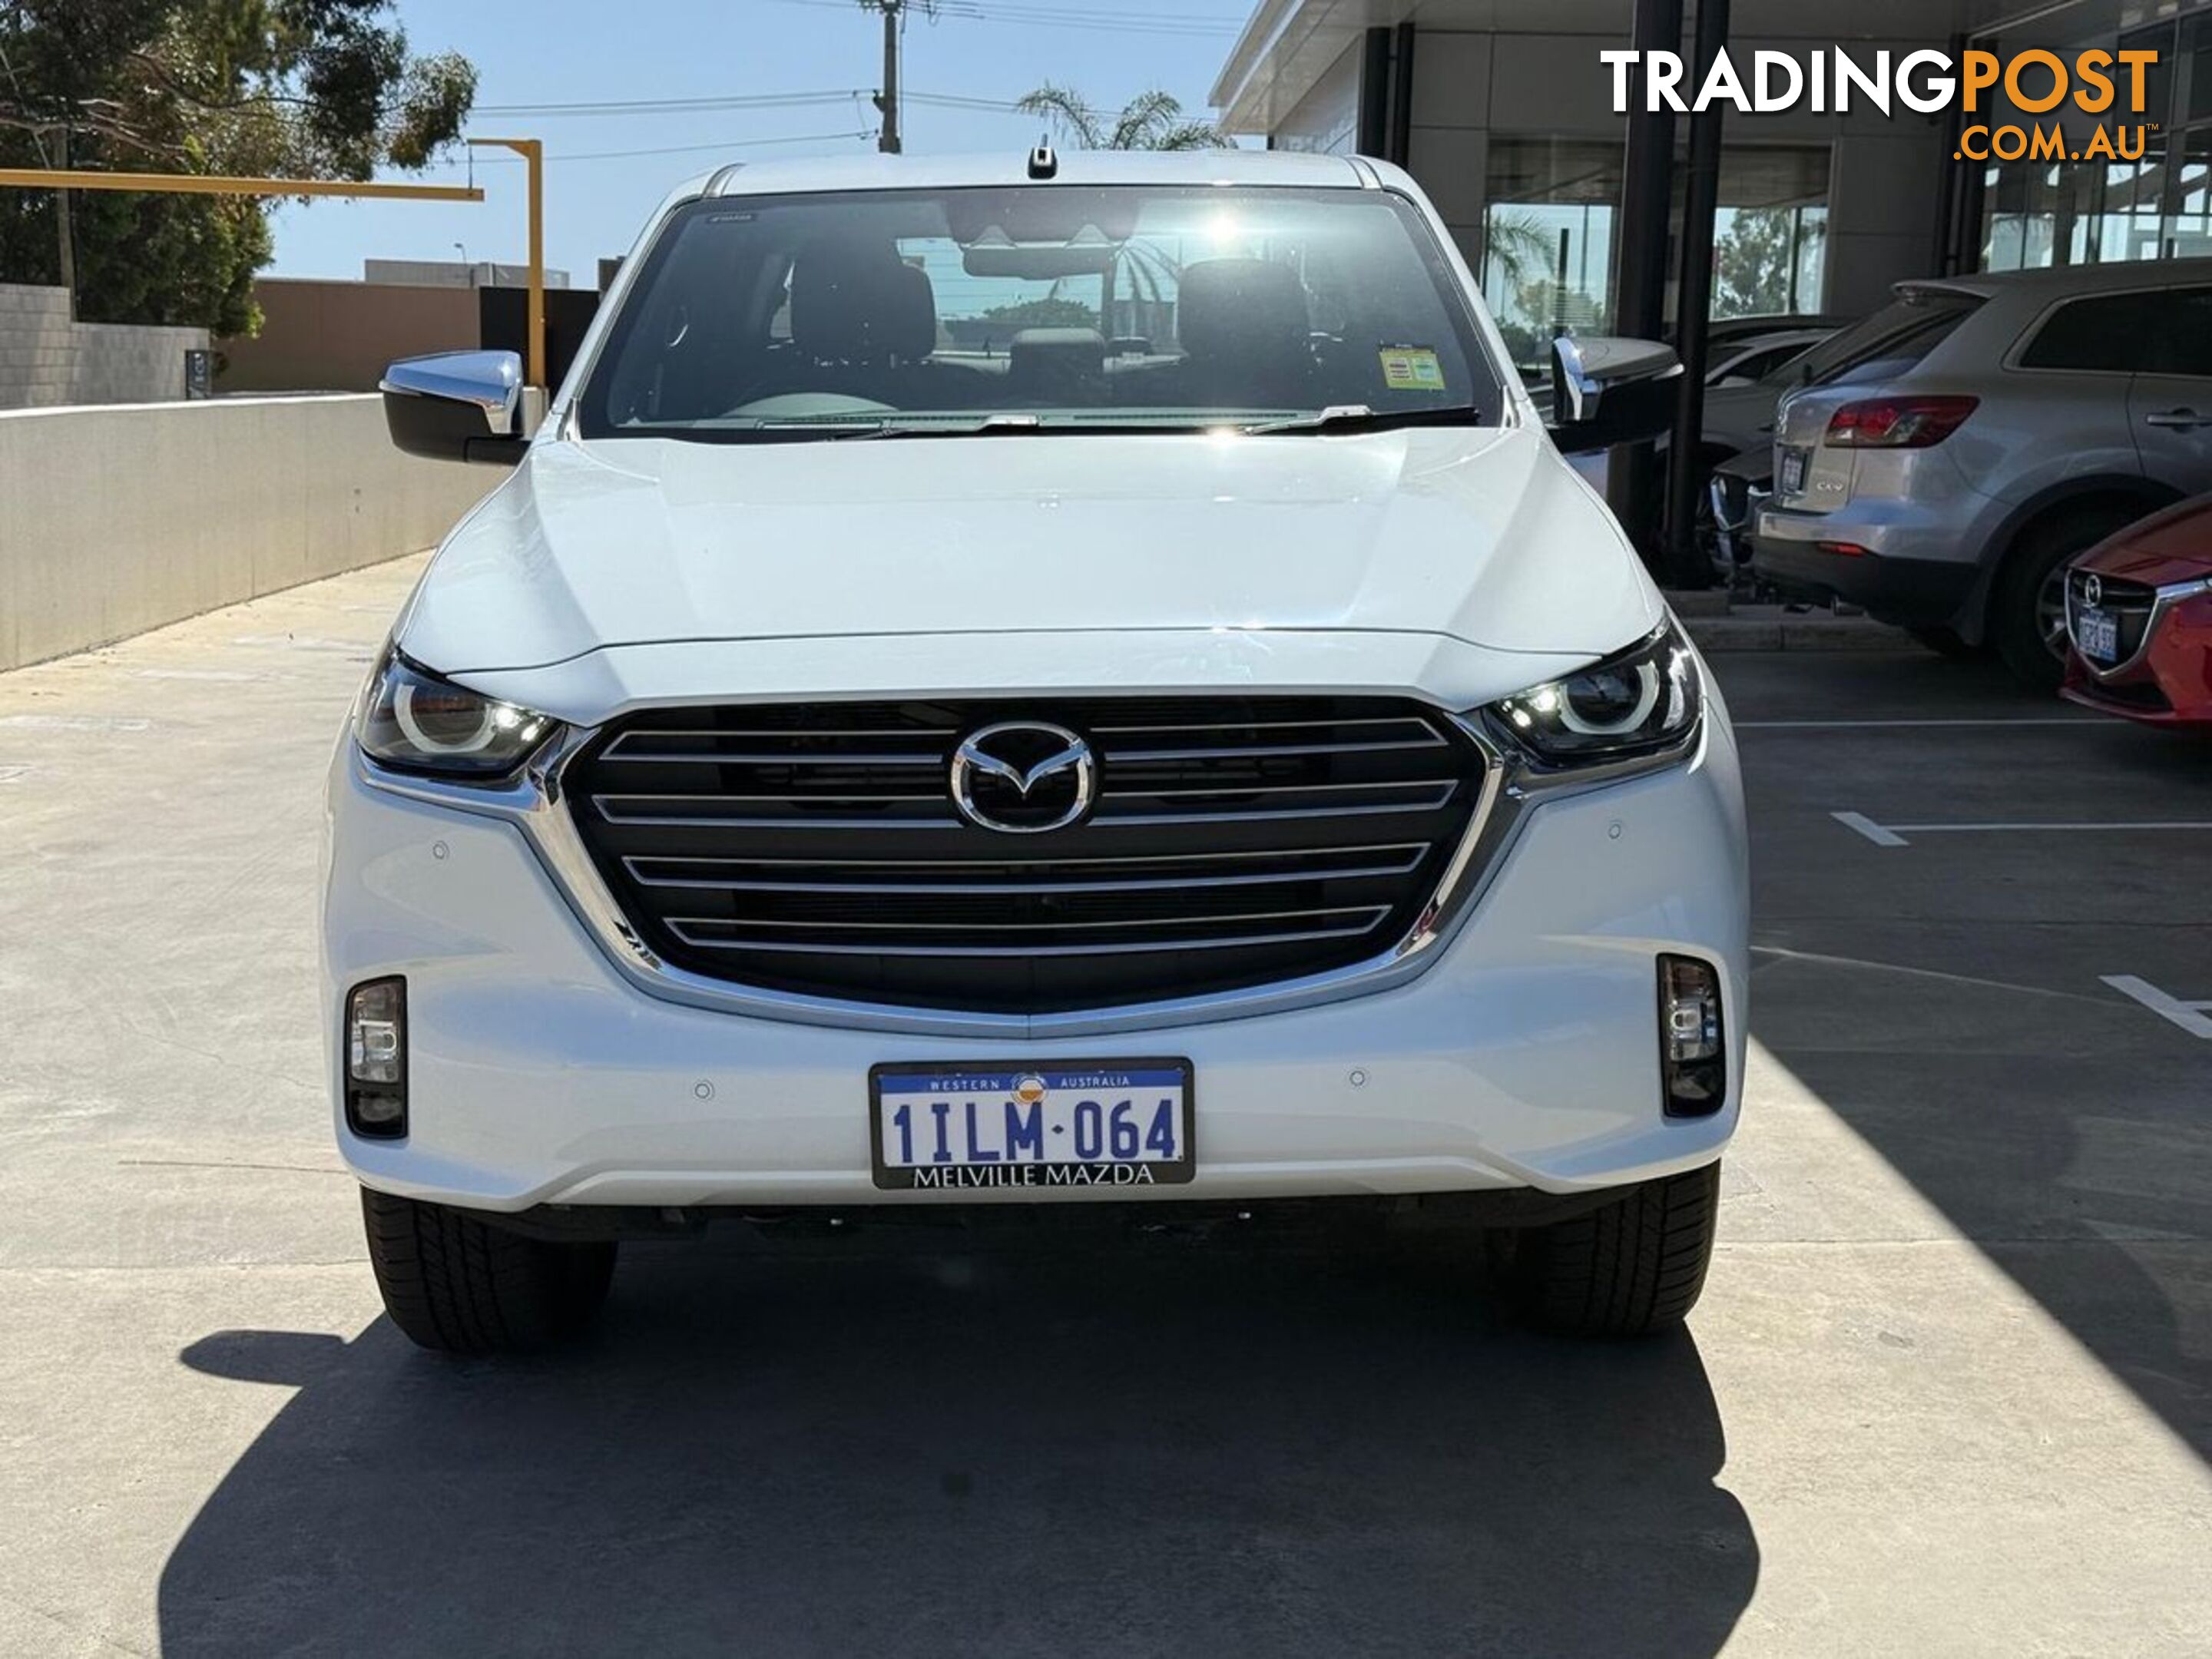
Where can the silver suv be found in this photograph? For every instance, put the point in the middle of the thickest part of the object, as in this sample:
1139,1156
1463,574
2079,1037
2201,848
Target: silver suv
1991,428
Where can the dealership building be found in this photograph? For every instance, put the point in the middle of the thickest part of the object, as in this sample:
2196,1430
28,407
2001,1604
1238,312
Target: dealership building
1505,112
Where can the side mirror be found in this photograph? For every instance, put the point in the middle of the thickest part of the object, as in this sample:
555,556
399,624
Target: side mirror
457,406
1608,390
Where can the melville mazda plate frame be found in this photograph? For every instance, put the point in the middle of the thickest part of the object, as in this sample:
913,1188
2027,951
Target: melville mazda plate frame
1042,1175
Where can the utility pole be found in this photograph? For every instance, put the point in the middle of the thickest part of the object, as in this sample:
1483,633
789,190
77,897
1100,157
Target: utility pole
62,228
894,13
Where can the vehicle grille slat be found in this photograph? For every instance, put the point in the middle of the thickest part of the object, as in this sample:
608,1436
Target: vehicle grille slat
643,871
1129,947
1235,841
1374,913
1269,750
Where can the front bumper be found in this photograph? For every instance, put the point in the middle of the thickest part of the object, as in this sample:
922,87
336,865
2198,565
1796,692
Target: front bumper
2169,682
1524,1053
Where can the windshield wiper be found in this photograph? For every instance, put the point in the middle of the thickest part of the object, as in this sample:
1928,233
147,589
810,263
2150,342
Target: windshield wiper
1001,425
1360,418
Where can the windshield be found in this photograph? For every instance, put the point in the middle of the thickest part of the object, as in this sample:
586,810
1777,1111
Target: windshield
1065,308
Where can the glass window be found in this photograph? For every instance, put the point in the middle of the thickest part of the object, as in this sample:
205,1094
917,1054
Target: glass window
2039,214
1896,338
2187,232
1547,236
1547,241
1758,365
2179,338
2103,334
1769,232
2160,332
1168,307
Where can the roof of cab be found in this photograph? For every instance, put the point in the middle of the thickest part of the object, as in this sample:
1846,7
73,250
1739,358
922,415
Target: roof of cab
1011,166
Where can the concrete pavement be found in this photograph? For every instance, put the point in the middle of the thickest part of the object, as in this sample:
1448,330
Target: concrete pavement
1950,1390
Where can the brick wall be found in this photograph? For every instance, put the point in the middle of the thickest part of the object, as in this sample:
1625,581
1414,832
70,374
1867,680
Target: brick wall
47,361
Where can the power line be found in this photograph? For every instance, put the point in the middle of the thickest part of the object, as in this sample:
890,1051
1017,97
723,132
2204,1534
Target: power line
649,105
1119,22
1118,17
672,149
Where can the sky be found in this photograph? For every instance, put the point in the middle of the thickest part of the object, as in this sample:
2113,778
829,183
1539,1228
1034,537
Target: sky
597,197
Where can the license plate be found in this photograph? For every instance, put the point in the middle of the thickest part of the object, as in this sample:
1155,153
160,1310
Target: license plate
1791,480
2097,634
990,1125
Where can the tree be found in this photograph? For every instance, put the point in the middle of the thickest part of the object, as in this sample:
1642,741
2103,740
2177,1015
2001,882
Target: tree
1053,312
1755,262
295,88
1152,120
1518,246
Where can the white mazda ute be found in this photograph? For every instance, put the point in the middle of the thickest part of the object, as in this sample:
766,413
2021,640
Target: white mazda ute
1035,691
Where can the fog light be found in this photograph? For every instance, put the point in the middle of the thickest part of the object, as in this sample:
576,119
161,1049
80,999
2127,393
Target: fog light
376,1059
1692,1049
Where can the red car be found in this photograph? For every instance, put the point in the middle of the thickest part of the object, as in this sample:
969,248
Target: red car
2139,617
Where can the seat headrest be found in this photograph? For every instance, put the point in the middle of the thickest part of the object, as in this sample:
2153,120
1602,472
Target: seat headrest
859,303
1243,311
914,321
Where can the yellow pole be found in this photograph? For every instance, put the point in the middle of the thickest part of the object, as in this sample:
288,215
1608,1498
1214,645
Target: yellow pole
210,184
533,151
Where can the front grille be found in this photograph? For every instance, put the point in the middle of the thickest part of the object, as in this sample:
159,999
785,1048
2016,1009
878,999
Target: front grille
1235,841
2131,603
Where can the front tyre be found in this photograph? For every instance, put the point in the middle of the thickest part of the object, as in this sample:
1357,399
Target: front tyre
458,1284
1635,1266
2028,607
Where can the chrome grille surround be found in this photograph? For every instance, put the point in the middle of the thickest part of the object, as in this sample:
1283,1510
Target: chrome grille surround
1235,842
2140,609
535,803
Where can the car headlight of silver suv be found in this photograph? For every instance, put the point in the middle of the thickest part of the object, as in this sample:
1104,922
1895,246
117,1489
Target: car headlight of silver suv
418,722
1639,707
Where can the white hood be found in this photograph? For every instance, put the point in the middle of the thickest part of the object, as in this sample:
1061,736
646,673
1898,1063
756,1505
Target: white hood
1481,542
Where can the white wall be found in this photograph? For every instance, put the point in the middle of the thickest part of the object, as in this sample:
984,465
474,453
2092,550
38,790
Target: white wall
120,520
46,360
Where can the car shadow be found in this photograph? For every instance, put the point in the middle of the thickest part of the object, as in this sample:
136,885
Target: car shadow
887,1448
2085,1188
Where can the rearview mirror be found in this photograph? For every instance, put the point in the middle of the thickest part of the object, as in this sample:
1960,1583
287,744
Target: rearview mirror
1608,390
457,406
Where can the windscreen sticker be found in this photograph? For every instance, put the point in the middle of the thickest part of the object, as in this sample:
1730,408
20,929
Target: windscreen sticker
1412,368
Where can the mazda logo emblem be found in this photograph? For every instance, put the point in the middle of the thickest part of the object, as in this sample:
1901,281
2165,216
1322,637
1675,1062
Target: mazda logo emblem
1023,777
2093,590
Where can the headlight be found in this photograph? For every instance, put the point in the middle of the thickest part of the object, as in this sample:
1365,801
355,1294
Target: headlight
419,723
1643,704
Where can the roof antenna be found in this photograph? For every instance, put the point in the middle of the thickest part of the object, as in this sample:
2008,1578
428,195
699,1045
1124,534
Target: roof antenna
1043,162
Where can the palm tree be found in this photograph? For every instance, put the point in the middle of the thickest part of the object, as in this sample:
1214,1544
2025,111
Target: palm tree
1520,246
1152,120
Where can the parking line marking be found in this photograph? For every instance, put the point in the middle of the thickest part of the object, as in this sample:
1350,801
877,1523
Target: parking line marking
75,723
1894,834
2194,1018
305,642
1866,827
1856,725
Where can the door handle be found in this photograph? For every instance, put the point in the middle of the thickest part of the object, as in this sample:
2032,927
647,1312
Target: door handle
2178,420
